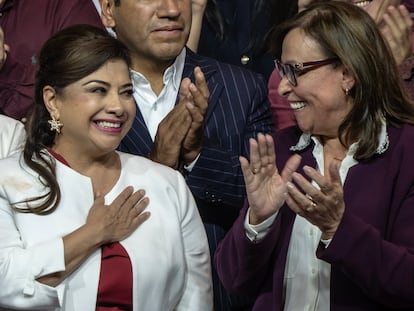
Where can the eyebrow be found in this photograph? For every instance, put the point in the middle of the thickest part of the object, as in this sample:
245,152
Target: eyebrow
96,81
129,84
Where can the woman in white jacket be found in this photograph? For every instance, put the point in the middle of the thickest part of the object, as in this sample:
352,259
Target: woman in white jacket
82,226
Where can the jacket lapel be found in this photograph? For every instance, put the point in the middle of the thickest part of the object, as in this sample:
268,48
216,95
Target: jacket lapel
209,68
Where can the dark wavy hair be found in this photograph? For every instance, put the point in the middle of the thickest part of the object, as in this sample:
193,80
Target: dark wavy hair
348,33
68,56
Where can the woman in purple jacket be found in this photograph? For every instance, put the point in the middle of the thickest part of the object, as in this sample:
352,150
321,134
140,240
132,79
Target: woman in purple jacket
334,229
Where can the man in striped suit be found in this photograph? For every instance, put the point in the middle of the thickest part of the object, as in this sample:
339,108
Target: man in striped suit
194,113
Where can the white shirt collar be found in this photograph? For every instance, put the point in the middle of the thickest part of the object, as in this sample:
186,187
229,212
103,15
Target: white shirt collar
175,72
305,140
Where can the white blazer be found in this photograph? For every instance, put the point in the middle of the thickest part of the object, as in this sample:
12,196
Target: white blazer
12,136
169,252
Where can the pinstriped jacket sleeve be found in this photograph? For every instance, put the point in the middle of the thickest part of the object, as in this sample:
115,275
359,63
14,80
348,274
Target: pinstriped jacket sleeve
238,110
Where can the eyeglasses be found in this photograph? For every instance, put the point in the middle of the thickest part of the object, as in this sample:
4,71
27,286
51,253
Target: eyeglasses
292,71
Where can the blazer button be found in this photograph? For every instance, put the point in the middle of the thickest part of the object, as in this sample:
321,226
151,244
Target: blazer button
244,59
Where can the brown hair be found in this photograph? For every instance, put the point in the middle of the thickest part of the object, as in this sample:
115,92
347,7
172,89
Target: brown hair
65,58
348,33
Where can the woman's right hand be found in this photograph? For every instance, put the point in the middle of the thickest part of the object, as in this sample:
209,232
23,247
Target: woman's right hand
118,220
104,224
397,31
266,188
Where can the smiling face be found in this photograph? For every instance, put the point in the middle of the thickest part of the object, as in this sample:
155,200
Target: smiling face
97,111
155,31
319,100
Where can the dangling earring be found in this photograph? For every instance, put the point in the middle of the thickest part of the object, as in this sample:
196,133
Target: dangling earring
346,91
55,125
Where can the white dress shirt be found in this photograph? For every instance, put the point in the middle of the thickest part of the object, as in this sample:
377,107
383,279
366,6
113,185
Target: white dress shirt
155,108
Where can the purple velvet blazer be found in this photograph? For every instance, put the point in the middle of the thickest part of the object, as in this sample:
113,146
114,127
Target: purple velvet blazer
372,252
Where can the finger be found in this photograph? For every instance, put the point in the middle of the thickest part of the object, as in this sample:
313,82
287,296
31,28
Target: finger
138,208
4,48
255,162
334,175
122,197
197,115
137,221
245,166
308,190
176,123
267,153
201,83
132,206
291,166
197,98
264,158
184,88
296,200
99,199
399,22
136,198
377,8
1,36
137,214
321,180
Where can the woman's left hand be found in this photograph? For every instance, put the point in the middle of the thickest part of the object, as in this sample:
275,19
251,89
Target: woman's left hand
323,208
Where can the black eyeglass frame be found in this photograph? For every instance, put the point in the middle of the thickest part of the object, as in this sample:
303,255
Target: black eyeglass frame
292,71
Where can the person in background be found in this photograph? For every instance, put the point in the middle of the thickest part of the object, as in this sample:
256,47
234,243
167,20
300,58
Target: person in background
83,226
237,31
12,136
198,8
396,26
328,220
24,26
202,138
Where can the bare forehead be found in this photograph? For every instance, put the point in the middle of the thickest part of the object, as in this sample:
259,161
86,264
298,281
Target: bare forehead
299,46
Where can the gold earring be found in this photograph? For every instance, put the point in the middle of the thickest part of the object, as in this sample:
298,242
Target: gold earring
55,125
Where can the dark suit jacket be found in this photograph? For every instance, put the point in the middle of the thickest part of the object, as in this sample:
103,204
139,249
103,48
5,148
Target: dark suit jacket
237,110
246,25
372,252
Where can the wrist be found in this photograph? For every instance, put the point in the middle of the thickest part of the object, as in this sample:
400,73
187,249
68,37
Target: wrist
189,157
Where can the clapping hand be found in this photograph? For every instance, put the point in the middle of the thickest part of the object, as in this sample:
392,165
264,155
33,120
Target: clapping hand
197,96
322,207
266,188
171,132
397,31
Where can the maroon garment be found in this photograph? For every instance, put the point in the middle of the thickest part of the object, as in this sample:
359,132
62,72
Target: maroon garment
282,114
371,253
115,280
27,24
409,4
